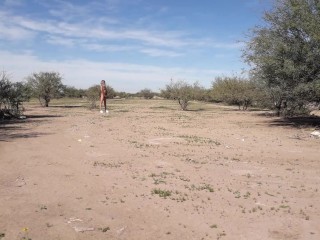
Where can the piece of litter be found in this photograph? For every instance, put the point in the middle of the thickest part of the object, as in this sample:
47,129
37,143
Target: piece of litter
166,140
73,219
20,182
315,133
261,204
121,230
83,229
79,140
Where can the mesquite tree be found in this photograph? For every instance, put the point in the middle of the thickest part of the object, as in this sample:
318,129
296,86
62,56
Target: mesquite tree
183,92
12,95
45,86
285,54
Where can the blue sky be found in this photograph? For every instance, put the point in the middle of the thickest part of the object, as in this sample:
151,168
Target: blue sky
132,44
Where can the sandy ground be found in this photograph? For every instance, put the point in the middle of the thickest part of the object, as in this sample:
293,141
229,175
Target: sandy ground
150,171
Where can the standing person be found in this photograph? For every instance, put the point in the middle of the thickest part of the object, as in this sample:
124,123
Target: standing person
103,96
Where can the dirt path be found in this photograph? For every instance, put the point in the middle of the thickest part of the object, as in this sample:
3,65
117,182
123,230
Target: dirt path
148,171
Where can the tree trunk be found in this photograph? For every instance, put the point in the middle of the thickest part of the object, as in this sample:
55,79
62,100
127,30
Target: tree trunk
39,98
278,108
47,100
183,104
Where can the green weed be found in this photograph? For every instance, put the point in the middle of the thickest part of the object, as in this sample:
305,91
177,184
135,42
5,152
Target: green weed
161,193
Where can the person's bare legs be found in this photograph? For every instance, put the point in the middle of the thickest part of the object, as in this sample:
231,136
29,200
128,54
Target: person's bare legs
105,104
102,100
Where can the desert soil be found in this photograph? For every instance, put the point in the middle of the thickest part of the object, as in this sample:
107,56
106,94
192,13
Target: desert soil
151,171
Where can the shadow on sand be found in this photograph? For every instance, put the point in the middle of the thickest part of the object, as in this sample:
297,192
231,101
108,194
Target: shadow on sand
42,116
196,110
9,136
67,106
11,129
311,121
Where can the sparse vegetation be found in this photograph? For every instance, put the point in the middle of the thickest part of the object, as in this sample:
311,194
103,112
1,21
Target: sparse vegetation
161,193
25,234
183,92
105,229
187,171
146,93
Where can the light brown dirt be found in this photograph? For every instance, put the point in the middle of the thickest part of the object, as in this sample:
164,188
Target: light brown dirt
71,173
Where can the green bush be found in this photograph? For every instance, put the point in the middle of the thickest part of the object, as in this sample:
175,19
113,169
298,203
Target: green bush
93,94
284,53
45,86
234,91
183,92
12,95
73,92
146,93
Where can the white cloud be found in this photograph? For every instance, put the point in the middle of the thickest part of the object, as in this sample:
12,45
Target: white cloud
11,31
68,11
122,76
89,30
14,33
14,3
87,12
236,45
160,52
107,48
55,40
91,46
